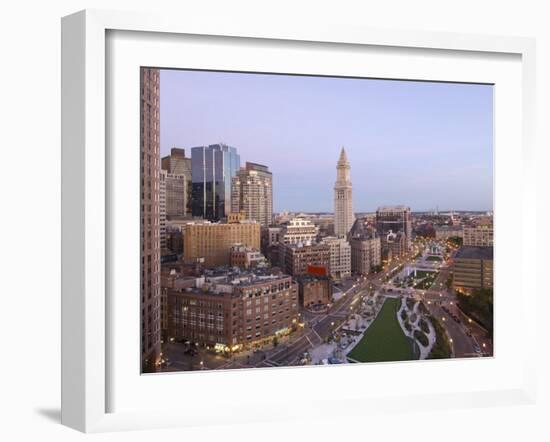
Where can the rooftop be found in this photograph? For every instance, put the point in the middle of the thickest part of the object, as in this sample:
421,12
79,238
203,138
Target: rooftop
310,278
448,227
474,252
392,208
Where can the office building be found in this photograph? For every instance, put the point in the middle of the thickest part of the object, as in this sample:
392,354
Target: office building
162,209
340,256
478,236
446,232
176,195
179,166
394,227
234,311
212,167
296,259
252,193
298,230
210,243
270,238
366,254
177,162
473,268
150,218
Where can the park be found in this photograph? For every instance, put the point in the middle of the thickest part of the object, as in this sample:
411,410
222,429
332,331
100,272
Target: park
384,339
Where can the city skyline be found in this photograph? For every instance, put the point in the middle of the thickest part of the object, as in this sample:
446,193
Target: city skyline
258,114
234,287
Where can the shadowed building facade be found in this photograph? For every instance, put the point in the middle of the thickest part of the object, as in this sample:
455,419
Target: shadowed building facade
178,182
365,254
150,219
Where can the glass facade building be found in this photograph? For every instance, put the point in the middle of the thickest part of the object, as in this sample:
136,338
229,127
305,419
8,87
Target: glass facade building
212,168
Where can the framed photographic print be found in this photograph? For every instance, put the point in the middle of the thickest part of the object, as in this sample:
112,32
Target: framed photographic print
278,219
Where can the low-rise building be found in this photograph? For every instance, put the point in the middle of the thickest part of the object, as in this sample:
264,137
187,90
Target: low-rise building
270,238
314,291
211,242
479,235
473,268
394,245
296,258
446,232
246,257
298,230
233,310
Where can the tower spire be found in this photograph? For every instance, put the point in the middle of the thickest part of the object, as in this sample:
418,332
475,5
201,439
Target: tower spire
343,157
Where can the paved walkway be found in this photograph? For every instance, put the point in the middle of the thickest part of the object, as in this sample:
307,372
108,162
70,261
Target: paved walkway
424,350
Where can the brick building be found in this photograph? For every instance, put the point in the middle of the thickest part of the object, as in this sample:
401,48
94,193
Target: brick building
234,310
314,290
296,258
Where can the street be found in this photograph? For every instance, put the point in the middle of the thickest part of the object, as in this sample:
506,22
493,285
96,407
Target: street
465,336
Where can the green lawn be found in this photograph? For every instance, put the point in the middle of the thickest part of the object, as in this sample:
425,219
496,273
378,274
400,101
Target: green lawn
423,274
425,279
384,340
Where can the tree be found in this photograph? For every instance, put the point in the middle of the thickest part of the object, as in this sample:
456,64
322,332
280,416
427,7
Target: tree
456,241
478,305
376,269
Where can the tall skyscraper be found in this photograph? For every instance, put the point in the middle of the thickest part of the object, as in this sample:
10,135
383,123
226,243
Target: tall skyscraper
178,183
176,195
252,193
212,167
150,219
177,162
162,208
343,211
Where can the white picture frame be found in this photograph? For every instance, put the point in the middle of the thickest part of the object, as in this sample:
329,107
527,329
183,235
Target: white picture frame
86,210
